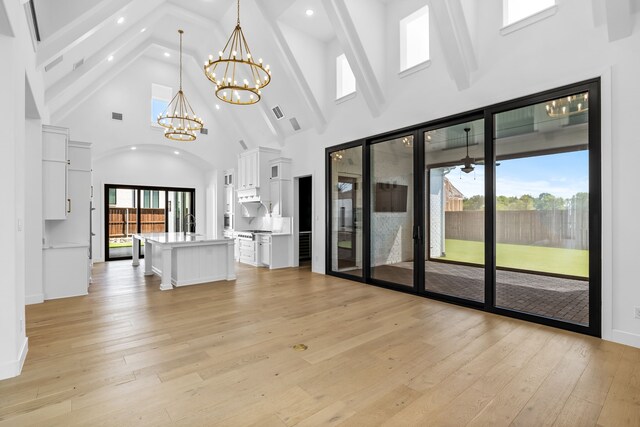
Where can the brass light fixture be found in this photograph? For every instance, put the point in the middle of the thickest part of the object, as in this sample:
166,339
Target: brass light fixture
179,119
568,106
239,79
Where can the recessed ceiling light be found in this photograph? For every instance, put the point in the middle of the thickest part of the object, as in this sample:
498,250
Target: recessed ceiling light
167,54
176,152
120,20
309,12
110,58
134,148
143,30
217,106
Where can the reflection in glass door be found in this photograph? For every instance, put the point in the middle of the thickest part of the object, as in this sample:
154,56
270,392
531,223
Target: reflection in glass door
454,197
180,213
346,211
392,211
542,209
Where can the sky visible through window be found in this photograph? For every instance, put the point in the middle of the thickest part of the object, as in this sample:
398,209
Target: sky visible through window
562,175
157,107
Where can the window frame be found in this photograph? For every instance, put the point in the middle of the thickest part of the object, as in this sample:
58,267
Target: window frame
341,96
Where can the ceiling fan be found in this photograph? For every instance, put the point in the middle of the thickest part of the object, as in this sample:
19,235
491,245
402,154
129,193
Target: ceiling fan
468,161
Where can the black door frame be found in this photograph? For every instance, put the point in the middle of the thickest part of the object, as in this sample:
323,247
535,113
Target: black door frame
488,113
138,189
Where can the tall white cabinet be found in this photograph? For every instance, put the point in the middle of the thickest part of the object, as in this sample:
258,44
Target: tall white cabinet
55,162
280,186
67,194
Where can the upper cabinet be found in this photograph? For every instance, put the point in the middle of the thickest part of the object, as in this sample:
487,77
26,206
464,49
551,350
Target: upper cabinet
280,187
55,165
254,174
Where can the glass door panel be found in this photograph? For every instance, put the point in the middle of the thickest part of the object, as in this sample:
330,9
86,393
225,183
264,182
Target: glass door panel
123,221
454,187
153,211
346,211
392,211
542,209
180,211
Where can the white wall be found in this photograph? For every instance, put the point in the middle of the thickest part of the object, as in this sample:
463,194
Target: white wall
16,227
147,167
34,292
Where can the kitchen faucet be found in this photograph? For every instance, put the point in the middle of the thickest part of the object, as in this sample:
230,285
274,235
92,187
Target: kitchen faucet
189,220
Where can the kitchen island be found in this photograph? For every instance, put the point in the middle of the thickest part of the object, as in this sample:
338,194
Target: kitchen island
182,259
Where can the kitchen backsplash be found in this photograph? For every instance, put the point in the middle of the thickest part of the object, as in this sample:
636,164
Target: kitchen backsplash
277,224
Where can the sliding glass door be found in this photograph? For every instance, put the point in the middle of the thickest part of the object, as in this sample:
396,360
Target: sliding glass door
542,209
391,211
498,209
122,221
136,209
345,212
454,195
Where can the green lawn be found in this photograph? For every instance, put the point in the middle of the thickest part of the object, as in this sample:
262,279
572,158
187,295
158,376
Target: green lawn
122,244
572,262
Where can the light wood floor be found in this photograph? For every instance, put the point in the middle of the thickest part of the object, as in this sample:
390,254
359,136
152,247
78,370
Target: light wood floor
221,354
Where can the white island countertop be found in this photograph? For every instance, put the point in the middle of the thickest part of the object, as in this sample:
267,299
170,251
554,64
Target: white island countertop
180,238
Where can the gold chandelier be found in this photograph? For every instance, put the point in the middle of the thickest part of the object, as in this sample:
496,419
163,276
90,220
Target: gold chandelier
240,78
179,119
568,106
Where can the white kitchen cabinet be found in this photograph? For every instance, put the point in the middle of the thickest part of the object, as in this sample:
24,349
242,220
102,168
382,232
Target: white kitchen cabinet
228,199
248,165
253,174
55,186
66,271
264,250
248,252
280,187
55,163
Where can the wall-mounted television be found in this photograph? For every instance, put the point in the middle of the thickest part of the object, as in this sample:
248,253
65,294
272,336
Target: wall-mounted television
390,197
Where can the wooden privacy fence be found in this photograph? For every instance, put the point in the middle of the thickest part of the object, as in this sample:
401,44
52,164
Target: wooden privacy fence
560,228
123,222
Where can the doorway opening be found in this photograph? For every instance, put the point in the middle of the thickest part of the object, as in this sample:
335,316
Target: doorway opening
304,220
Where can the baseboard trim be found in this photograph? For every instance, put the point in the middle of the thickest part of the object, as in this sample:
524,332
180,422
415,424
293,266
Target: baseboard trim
13,368
626,338
34,299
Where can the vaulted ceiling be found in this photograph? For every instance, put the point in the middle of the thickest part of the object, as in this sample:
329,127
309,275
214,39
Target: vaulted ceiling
78,37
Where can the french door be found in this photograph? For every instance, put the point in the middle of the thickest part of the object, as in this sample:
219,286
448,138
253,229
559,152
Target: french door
137,209
497,209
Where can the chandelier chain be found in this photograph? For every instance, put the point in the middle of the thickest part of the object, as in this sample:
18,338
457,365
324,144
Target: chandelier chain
238,12
181,32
